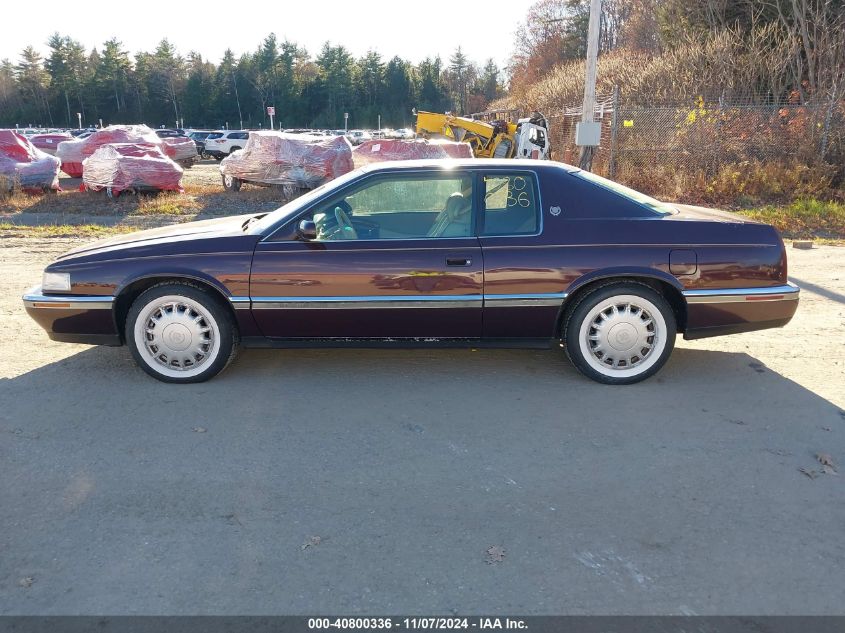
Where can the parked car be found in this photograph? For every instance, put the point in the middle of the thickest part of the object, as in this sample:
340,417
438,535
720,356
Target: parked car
356,137
379,150
72,153
302,161
168,133
24,166
130,167
48,142
428,253
403,133
181,149
199,137
218,145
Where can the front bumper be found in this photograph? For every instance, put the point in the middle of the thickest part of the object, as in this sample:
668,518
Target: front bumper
85,319
734,310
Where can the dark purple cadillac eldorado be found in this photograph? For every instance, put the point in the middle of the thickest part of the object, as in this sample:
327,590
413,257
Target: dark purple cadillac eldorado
428,253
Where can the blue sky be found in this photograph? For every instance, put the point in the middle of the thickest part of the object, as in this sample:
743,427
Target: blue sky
411,30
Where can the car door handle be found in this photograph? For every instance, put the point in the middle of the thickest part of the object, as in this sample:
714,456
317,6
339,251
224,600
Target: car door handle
458,261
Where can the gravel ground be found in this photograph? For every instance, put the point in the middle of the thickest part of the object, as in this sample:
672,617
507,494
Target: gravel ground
375,481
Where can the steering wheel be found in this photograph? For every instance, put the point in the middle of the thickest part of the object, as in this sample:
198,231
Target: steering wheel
347,231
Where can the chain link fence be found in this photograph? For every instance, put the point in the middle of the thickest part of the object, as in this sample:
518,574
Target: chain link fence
700,138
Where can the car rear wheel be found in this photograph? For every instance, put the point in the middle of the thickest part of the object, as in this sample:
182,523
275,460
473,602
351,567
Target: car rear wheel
180,333
230,183
234,149
620,333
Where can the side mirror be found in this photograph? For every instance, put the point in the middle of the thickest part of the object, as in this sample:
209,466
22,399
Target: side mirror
307,230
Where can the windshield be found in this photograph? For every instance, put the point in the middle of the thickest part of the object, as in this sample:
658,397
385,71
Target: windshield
292,207
657,206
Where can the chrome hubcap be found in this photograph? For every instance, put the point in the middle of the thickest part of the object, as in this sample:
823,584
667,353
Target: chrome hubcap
623,335
178,334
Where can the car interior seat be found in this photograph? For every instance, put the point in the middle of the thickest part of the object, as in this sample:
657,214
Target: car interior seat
454,220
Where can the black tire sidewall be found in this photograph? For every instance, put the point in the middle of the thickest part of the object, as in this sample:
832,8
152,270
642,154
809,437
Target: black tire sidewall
236,184
228,333
577,314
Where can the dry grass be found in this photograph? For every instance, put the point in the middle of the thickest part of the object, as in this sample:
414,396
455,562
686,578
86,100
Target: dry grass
805,218
61,230
727,63
738,185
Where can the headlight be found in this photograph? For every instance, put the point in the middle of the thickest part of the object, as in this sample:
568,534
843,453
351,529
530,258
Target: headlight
55,282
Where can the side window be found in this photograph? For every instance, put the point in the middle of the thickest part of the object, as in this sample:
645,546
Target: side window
399,207
510,204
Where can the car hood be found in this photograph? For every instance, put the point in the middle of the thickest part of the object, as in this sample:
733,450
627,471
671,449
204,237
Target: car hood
232,225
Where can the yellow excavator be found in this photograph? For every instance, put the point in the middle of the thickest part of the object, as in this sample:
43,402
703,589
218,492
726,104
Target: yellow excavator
527,138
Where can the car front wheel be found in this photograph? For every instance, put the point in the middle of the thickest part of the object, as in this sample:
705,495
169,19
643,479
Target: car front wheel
180,333
620,333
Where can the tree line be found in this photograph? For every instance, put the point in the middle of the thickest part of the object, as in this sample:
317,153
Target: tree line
165,88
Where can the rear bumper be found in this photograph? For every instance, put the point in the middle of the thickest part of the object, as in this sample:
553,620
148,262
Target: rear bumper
85,319
735,310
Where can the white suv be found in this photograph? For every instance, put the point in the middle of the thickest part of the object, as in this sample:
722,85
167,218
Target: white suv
222,143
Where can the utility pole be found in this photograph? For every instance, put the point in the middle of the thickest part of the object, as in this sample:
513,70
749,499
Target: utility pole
588,131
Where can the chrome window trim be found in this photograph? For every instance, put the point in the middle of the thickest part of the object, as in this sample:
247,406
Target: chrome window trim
789,292
472,170
35,299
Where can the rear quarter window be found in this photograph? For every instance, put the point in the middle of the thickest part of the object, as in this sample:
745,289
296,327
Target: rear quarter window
587,197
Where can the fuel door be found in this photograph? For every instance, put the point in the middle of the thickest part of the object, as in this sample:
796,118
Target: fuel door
683,261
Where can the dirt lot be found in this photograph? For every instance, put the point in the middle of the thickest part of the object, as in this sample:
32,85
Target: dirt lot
375,481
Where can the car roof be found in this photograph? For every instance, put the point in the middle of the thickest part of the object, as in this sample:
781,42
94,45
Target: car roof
465,163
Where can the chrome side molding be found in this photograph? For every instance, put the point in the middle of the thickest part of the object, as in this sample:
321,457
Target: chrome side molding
553,299
789,292
35,299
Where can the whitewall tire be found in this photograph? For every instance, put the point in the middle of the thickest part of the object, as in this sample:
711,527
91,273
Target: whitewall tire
620,333
179,332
